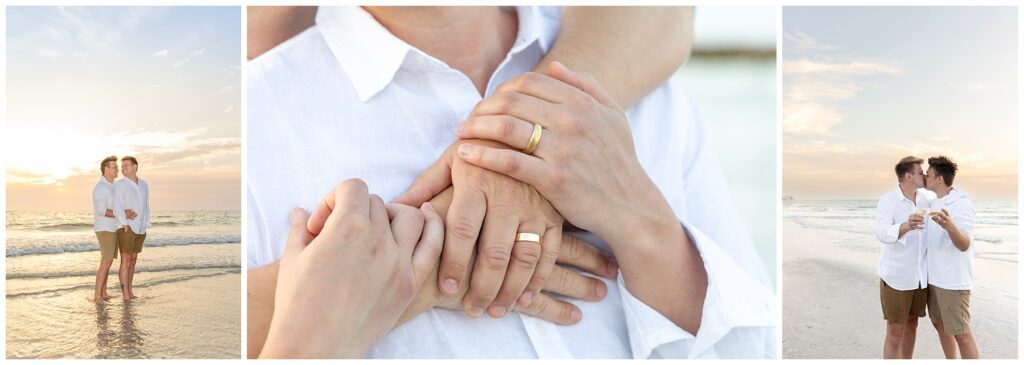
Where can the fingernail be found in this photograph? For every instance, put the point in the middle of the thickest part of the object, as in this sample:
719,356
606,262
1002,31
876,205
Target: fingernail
498,311
464,150
429,207
476,312
575,316
601,291
560,65
295,215
526,299
450,286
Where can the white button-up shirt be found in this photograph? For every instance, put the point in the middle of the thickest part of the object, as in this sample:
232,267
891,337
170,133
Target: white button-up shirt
901,263
103,199
129,195
347,99
948,267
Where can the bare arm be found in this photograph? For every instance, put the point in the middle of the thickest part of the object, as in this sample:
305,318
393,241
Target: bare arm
660,37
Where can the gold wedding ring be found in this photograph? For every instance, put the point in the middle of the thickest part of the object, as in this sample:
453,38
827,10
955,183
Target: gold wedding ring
528,237
534,139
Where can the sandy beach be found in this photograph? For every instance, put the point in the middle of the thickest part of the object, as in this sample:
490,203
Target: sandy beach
831,307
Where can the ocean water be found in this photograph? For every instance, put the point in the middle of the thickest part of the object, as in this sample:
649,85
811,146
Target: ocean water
995,232
188,278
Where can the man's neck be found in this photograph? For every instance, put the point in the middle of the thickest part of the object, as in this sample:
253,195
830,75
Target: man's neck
473,40
134,178
942,191
909,191
109,179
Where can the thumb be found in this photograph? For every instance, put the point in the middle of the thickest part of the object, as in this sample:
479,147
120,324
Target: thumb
429,183
582,81
298,236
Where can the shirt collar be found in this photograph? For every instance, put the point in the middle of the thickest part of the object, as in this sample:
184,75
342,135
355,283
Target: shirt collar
371,56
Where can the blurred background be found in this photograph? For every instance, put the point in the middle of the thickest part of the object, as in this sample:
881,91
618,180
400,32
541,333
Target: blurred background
731,74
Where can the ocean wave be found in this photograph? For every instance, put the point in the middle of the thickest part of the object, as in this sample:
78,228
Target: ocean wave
140,285
94,246
113,270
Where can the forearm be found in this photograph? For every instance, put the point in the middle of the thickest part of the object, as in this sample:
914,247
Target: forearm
592,37
960,240
904,228
660,264
260,286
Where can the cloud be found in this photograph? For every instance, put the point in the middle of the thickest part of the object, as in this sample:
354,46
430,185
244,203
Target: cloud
191,55
229,108
75,153
802,41
161,53
813,88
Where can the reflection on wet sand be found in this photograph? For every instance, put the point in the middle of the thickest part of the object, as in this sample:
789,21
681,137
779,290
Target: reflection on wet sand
124,341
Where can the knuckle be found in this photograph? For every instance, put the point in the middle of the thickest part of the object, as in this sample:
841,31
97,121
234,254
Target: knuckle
454,266
565,313
495,257
526,256
566,280
507,101
511,164
576,250
506,126
462,229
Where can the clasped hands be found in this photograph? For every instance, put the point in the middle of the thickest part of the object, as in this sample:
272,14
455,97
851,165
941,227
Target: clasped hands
488,190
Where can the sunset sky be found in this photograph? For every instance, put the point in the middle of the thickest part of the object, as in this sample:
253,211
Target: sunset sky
158,83
865,86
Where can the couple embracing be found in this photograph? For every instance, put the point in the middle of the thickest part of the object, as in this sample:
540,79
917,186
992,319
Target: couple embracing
926,228
121,212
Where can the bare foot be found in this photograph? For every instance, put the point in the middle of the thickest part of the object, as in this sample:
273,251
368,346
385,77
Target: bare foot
127,298
133,296
98,300
106,296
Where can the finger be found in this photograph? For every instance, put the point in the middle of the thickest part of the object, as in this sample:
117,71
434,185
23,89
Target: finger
465,215
378,212
526,107
515,164
298,236
492,259
582,81
506,129
551,310
541,86
429,183
572,284
349,197
521,268
577,253
550,246
406,225
428,250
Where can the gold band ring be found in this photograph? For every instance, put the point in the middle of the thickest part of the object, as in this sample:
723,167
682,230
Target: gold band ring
534,139
528,237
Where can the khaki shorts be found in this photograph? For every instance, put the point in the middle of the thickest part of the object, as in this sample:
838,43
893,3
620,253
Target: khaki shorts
129,242
898,305
951,308
108,245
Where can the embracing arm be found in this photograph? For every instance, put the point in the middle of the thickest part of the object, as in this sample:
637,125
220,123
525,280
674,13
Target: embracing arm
661,37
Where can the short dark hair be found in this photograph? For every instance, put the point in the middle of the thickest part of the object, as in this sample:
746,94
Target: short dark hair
944,167
905,165
103,164
130,158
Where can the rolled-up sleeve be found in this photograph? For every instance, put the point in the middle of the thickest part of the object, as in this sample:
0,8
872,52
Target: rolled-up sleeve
100,202
887,230
738,319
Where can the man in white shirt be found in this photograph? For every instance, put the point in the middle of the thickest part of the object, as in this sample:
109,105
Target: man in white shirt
901,263
348,98
105,225
950,251
131,199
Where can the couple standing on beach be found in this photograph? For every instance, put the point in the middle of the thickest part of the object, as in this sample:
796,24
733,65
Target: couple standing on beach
121,210
924,264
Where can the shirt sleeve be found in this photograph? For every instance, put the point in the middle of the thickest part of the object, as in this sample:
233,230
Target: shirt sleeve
964,217
99,202
738,318
257,251
145,209
887,231
119,205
